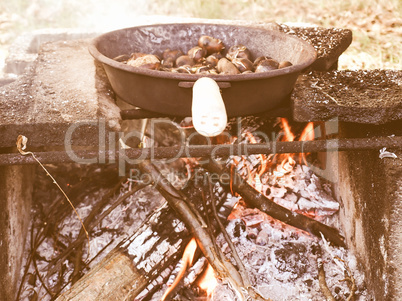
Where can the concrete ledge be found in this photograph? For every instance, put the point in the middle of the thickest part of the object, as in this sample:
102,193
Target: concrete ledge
25,49
63,89
364,96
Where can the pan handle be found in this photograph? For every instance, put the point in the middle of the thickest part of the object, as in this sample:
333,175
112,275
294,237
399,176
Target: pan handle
208,110
222,85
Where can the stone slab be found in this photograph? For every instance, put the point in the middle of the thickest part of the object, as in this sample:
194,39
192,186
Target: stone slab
24,51
364,96
64,88
329,43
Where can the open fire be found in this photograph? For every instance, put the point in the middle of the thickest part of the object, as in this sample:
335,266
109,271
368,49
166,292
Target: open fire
293,186
276,256
281,260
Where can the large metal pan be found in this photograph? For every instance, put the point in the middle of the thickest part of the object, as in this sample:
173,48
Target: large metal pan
171,93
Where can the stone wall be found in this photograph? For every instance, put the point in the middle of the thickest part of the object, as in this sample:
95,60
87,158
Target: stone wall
16,184
370,192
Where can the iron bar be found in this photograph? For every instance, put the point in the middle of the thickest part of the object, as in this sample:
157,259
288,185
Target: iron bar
95,156
139,113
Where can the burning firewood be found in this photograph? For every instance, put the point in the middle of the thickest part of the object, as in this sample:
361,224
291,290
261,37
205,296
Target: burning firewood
223,268
143,261
257,200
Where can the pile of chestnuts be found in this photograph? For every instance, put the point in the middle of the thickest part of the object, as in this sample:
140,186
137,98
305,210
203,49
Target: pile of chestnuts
205,58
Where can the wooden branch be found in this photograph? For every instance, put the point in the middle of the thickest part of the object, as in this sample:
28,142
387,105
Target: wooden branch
255,199
90,222
323,283
222,267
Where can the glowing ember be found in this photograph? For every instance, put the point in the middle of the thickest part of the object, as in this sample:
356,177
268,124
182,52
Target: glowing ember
208,281
187,260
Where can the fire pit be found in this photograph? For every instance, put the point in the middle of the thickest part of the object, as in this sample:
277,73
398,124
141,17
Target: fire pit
145,260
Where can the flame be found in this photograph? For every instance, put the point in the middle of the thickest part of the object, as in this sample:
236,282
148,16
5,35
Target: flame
288,135
286,160
208,281
307,134
287,163
187,260
189,252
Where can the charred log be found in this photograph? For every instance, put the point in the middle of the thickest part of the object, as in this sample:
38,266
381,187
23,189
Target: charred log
137,262
115,278
255,199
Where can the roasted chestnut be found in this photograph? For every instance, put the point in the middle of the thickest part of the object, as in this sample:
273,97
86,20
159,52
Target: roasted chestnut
260,59
174,54
206,58
267,65
211,44
238,51
136,55
202,70
226,67
243,64
168,63
284,64
183,69
148,61
197,53
122,58
184,60
213,59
